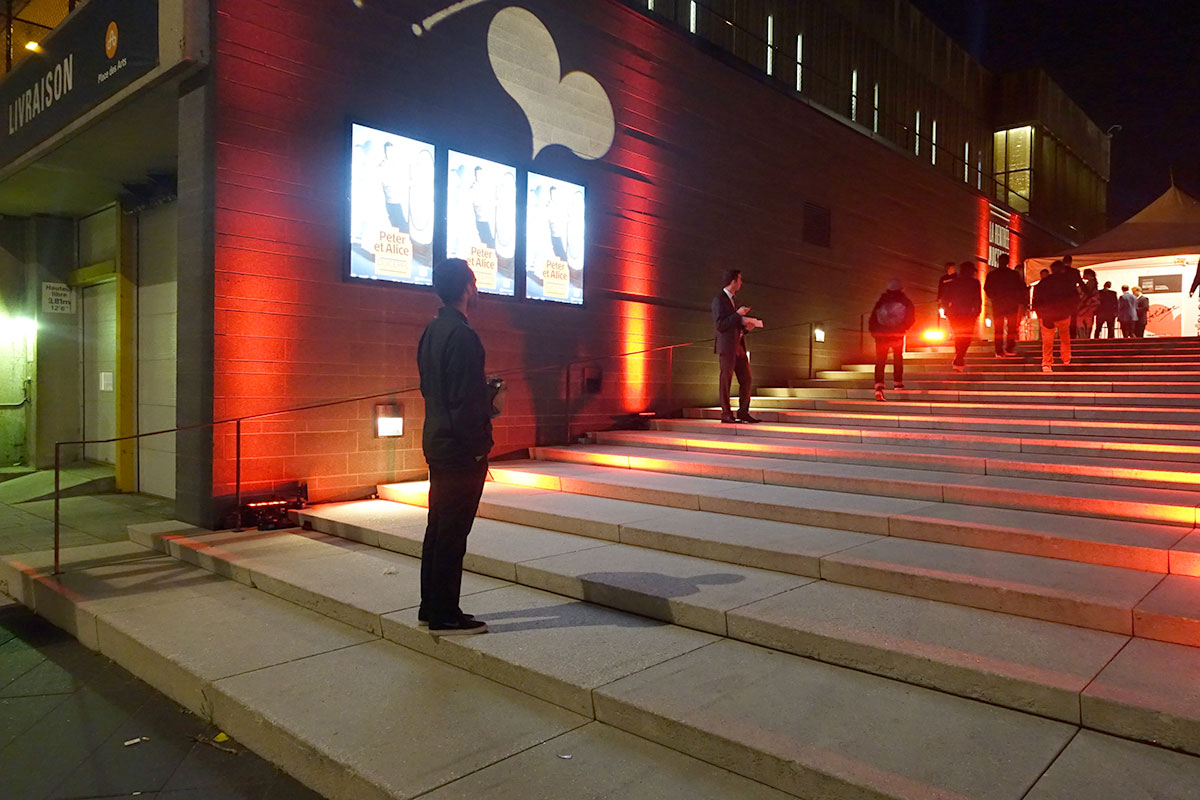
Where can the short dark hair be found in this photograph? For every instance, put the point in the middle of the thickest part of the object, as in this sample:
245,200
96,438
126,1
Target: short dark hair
1003,259
966,268
451,278
1107,284
1044,273
731,275
1057,266
1124,288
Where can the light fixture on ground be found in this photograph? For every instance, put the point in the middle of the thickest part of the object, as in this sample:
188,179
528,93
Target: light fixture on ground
934,335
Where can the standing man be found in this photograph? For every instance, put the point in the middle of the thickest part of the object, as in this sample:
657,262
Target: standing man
1107,313
964,301
1143,312
1127,313
730,345
1009,294
1055,300
943,282
456,440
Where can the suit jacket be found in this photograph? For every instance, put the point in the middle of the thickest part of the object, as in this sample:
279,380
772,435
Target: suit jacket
1127,307
731,333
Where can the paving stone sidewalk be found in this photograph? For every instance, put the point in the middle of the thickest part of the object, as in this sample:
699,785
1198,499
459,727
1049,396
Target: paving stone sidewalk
66,712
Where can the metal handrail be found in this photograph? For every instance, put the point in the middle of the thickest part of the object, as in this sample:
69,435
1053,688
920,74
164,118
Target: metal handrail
237,421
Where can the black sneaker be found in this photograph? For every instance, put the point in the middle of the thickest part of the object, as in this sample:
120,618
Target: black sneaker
747,418
423,618
462,626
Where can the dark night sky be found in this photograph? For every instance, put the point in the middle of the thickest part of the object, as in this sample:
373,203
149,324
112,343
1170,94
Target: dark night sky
1133,64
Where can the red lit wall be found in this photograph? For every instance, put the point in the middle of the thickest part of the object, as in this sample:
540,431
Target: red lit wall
710,168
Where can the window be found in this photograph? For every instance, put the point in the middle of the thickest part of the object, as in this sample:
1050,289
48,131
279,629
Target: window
799,62
770,44
692,16
966,162
917,135
854,95
875,113
1013,160
933,143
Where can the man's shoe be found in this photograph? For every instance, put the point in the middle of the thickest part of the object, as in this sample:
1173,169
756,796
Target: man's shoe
462,626
423,619
1047,369
899,387
730,419
747,418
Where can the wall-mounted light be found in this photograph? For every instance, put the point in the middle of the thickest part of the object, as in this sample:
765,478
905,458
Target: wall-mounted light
33,46
934,335
987,321
818,334
389,420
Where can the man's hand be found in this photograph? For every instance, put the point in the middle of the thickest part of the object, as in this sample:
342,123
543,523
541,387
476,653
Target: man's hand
743,311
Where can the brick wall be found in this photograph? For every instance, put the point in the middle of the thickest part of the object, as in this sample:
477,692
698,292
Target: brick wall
710,168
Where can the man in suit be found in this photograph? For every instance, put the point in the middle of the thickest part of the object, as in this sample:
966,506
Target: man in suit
1107,313
1127,313
1142,305
730,346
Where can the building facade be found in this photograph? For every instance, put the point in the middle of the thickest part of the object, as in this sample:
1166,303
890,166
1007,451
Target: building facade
245,226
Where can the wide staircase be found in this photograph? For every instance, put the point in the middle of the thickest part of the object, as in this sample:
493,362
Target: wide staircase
983,587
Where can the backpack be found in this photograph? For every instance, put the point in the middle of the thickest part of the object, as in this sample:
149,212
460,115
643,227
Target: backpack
890,315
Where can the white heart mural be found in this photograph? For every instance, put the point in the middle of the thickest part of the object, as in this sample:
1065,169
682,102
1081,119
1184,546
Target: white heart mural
572,110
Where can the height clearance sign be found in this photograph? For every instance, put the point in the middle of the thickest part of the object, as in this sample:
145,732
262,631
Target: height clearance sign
102,47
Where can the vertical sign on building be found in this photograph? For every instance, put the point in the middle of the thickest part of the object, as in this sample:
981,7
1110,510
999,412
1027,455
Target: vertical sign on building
999,235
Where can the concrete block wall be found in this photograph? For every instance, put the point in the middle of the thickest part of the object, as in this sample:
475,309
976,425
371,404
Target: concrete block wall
710,168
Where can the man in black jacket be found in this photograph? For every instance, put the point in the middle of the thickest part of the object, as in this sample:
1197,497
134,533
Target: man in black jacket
1055,300
730,346
1008,293
457,439
1106,314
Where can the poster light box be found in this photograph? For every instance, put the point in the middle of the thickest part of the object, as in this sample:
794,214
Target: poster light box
555,240
481,220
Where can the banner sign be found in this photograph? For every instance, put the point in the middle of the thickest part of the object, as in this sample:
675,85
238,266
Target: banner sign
1159,284
102,47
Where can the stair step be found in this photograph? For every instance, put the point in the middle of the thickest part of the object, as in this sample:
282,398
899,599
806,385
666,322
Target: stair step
1122,448
616,658
1012,661
900,405
969,382
1083,594
1170,507
1150,474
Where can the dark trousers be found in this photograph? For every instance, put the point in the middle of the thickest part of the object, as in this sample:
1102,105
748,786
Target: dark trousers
1007,331
1139,329
453,500
735,364
1111,322
883,344
1128,328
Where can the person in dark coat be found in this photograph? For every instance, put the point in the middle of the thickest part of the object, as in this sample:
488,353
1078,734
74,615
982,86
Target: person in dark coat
1127,313
1055,300
456,440
964,301
1106,314
1142,305
943,282
890,320
732,322
1006,289
1089,304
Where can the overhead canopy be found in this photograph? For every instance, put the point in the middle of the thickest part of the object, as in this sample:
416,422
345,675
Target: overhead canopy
1169,226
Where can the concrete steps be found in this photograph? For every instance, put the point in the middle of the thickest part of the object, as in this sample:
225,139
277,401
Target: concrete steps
901,405
1093,446
1037,666
671,685
1151,474
1054,589
1007,423
1166,506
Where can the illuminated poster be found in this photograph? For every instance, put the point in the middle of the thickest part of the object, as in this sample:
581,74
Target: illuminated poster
391,207
554,240
481,220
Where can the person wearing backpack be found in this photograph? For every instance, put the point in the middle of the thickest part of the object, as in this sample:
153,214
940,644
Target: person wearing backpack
891,318
964,301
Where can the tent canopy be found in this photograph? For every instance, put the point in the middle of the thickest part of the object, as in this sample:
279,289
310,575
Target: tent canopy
1168,226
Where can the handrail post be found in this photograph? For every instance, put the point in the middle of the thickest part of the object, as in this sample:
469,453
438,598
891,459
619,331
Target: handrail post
237,473
671,380
567,397
811,336
57,465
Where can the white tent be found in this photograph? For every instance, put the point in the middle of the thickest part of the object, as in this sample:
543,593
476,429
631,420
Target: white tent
1157,249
